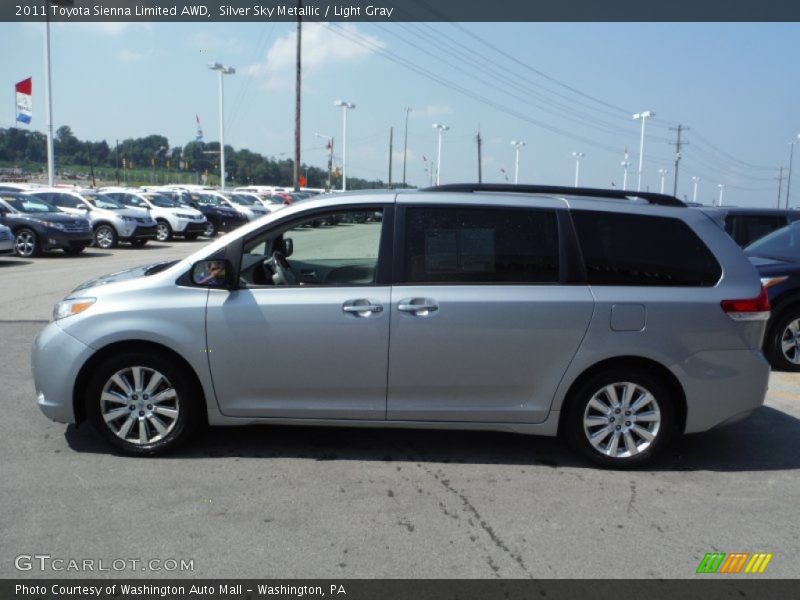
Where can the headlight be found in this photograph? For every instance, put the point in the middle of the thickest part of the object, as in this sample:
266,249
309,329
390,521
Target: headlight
55,225
183,216
71,306
129,219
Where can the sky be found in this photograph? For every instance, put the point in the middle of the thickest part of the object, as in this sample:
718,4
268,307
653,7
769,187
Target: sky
559,87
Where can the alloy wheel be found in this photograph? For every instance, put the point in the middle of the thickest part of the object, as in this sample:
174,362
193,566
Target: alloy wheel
139,405
25,243
104,237
622,420
210,230
162,232
790,342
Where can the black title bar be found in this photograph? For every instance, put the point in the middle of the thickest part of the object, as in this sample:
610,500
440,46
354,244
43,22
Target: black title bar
399,10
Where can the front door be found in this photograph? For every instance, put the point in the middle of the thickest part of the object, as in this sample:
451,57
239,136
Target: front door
307,333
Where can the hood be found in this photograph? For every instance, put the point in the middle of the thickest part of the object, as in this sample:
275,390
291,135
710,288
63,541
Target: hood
134,273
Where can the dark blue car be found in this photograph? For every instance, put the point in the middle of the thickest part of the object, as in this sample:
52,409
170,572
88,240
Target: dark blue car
777,258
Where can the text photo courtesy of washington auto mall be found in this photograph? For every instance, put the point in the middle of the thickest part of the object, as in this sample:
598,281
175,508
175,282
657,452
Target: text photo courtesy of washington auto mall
419,299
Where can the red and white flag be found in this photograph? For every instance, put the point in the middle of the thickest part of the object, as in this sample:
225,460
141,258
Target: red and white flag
24,100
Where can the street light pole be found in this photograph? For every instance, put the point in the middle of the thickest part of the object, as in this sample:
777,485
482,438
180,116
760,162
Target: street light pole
405,145
643,116
695,179
329,145
442,129
578,156
223,70
517,145
663,173
789,177
345,107
721,187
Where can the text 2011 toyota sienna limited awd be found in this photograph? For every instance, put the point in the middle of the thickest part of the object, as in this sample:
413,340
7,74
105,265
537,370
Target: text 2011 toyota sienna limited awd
615,321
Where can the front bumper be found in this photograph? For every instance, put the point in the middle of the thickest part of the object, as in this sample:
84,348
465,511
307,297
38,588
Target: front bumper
56,360
184,226
55,239
141,232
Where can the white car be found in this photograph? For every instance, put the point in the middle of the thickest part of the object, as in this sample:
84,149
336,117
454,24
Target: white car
6,240
111,221
171,218
251,204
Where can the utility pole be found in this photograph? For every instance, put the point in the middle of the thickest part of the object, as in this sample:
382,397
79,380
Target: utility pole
789,177
296,174
480,141
405,145
117,161
391,136
678,144
780,185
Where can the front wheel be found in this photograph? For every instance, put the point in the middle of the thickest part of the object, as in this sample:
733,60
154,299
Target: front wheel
621,418
210,230
105,237
163,231
783,344
26,244
143,403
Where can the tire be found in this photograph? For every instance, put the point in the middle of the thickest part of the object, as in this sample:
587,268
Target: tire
138,243
26,243
150,427
647,437
211,229
74,250
191,236
163,231
783,344
105,237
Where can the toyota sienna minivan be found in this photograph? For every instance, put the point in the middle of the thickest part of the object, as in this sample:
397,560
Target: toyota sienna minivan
616,319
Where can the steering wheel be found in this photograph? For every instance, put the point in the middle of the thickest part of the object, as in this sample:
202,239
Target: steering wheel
277,268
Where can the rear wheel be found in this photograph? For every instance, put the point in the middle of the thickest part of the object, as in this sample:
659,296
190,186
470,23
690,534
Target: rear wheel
783,345
163,231
143,403
105,237
621,418
26,243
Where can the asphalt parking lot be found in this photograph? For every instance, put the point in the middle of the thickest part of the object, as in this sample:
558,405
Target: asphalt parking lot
351,503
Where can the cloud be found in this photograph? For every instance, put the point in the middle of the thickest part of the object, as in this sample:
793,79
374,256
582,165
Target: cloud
398,155
433,110
129,55
322,47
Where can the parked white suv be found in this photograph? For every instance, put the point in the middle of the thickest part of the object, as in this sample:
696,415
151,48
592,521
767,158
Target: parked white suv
171,218
111,221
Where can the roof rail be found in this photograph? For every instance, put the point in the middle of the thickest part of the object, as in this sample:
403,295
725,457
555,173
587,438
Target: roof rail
652,197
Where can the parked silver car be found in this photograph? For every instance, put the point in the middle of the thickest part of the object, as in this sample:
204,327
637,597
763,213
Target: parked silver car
616,321
6,240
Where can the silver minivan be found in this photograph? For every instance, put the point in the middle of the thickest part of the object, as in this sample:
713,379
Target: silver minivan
616,319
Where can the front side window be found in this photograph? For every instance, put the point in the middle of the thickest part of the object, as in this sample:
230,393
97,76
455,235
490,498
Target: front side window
337,248
480,245
627,249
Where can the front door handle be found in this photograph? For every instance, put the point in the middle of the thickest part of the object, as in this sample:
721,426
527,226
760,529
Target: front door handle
361,307
420,307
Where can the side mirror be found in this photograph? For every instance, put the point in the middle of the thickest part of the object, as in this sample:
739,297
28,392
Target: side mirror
212,273
287,247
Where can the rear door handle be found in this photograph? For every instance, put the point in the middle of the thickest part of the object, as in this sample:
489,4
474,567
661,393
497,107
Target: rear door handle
361,307
421,307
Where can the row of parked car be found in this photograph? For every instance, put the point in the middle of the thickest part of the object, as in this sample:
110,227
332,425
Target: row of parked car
35,219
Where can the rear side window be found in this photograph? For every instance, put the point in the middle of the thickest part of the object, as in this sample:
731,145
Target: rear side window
480,245
624,249
748,228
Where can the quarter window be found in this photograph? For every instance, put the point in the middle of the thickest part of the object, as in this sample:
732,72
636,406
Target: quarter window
480,245
625,249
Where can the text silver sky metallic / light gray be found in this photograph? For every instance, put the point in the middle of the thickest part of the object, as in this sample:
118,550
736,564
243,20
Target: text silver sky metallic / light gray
617,319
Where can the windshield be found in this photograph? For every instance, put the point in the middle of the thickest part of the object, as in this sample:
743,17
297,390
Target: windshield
783,244
207,200
30,204
162,201
244,200
103,201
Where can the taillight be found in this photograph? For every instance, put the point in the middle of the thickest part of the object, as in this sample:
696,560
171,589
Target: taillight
751,309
